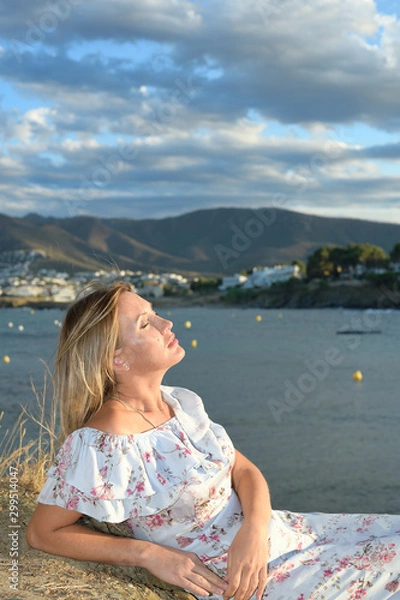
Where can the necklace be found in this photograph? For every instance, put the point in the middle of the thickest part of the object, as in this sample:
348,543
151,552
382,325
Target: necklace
129,407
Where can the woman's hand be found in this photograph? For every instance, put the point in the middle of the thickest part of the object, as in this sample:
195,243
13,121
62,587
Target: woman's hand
247,563
56,530
183,569
249,552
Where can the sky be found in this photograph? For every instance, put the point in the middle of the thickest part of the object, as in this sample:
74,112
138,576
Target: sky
154,108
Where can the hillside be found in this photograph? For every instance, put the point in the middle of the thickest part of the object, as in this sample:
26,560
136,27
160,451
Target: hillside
213,242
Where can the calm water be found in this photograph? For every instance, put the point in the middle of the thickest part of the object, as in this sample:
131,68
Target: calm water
282,387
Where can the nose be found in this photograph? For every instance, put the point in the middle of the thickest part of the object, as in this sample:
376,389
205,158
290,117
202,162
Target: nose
163,325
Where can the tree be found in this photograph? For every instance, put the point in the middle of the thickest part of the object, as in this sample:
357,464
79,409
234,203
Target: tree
205,285
319,264
328,261
373,256
352,255
395,253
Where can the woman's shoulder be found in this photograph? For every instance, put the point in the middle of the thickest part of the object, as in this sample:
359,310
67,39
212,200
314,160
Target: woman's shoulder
91,440
112,419
105,431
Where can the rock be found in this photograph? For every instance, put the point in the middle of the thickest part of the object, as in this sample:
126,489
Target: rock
42,575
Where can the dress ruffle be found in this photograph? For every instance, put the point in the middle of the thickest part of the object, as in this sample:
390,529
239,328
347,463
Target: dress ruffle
117,477
172,486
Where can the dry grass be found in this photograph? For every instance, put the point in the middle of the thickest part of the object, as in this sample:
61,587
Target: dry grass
41,575
32,457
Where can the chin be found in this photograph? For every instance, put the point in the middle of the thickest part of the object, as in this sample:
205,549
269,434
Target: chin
180,354
174,356
177,359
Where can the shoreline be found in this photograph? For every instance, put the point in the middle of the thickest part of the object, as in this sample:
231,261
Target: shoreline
300,296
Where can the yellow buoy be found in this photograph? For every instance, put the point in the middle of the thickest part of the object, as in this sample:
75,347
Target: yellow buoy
21,327
357,376
6,359
11,324
194,343
32,312
188,324
258,318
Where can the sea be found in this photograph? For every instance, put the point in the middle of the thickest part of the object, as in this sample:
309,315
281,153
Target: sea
282,384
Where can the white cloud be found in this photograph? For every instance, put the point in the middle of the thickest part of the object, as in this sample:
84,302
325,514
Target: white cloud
195,108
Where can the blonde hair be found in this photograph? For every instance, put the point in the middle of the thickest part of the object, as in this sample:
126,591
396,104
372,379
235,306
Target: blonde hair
83,374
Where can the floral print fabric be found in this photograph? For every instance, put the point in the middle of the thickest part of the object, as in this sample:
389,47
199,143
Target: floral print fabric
172,485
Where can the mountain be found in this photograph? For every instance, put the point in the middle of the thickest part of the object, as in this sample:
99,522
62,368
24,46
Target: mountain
212,242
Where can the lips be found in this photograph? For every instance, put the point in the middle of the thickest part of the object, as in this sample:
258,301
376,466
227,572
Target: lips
172,341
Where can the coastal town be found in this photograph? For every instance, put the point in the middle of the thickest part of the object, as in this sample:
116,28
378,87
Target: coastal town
20,281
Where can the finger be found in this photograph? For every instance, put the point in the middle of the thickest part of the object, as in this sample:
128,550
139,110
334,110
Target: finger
197,582
200,590
234,577
232,588
262,583
243,586
246,589
258,583
237,576
210,576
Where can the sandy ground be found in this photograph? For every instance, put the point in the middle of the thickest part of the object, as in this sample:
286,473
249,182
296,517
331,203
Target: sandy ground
39,575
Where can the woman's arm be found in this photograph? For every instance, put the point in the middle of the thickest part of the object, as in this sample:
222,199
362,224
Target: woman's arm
55,530
248,554
252,489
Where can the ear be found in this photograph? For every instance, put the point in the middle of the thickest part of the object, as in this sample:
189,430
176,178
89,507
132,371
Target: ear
119,362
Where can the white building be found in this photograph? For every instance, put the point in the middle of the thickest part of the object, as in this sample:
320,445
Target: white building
66,293
25,291
266,276
236,280
395,267
151,288
177,280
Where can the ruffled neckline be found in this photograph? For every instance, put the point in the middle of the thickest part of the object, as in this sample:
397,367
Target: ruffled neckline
113,477
127,435
171,421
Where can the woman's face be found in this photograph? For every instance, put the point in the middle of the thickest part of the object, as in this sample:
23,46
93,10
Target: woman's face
147,343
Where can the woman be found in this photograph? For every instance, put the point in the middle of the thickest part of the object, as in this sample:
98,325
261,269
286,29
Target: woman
196,512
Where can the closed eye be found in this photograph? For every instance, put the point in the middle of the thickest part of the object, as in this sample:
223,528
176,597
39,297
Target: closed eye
148,322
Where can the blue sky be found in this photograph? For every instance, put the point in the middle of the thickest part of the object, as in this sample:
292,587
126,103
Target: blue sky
146,109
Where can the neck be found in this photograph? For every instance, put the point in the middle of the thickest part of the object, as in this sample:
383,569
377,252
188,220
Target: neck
145,396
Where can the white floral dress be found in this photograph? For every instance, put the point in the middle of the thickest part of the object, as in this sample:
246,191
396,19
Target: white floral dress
172,485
